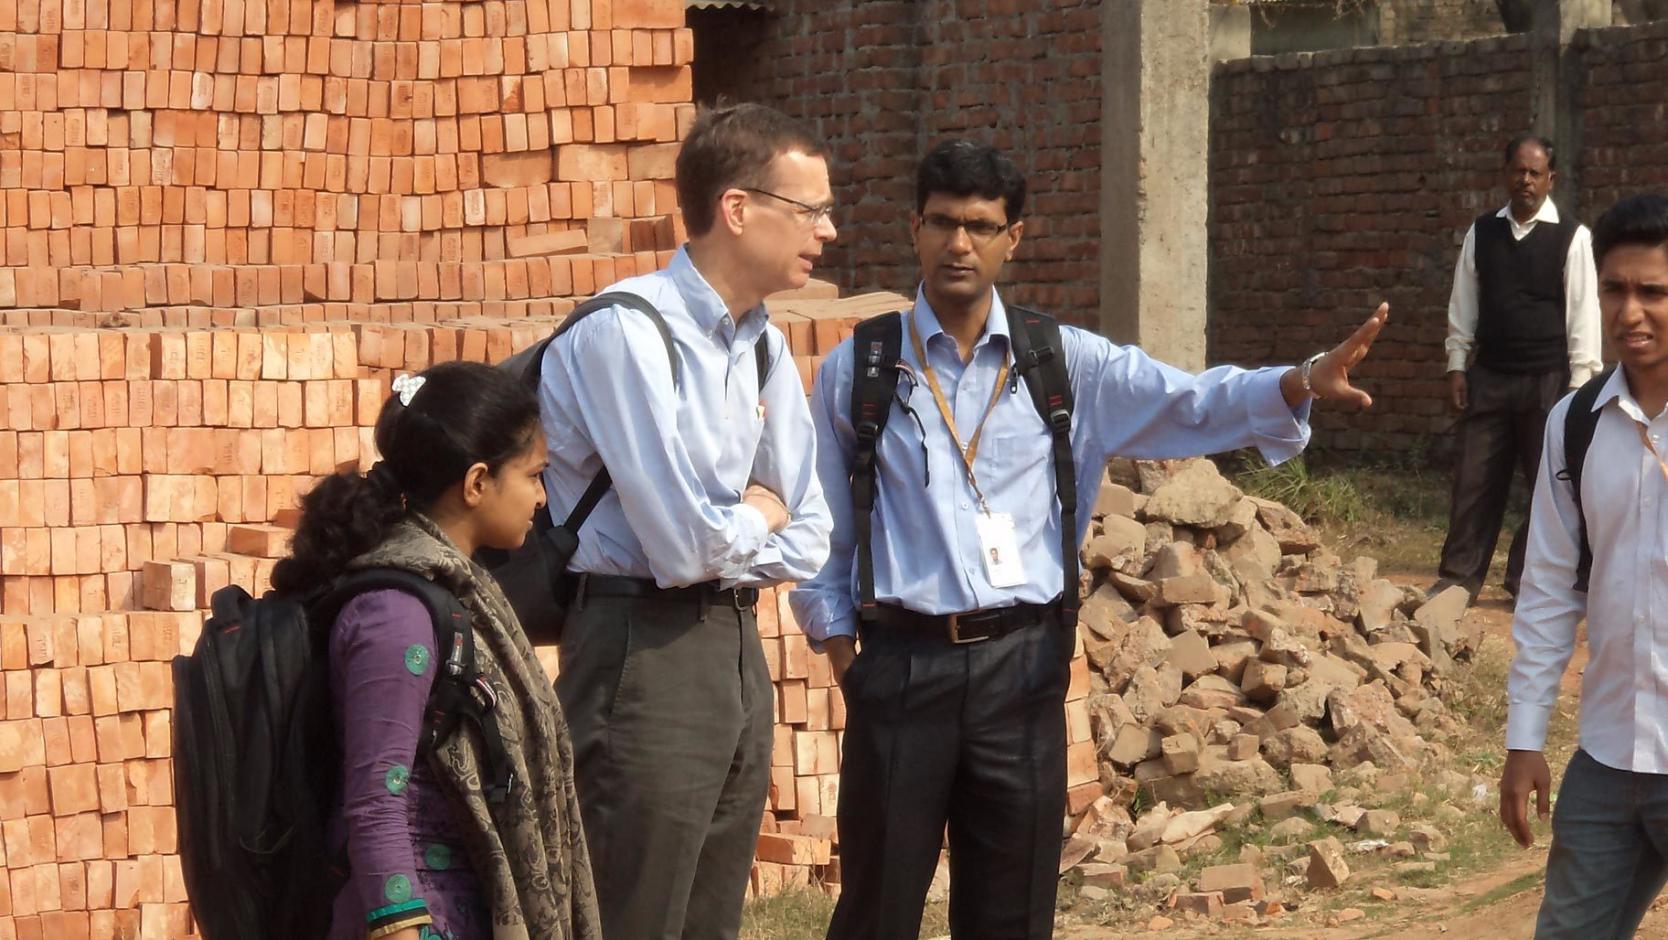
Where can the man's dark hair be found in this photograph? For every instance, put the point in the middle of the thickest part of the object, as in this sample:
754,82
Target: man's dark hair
1545,143
1636,220
731,146
963,167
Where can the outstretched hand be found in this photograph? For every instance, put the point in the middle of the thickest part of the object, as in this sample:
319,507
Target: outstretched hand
1329,378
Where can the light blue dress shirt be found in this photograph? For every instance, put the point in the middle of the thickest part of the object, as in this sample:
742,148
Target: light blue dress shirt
680,457
926,548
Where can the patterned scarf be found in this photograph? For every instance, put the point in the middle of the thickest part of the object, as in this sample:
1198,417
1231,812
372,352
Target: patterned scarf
529,850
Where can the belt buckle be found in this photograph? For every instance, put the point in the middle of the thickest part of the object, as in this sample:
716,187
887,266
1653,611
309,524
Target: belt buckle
953,623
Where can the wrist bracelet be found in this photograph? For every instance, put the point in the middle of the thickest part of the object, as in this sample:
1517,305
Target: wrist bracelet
1305,371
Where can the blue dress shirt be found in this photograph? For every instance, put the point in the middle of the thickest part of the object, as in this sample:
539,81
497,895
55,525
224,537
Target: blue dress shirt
680,457
926,548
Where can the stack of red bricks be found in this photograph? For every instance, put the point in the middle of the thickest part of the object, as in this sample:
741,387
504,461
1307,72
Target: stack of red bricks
257,153
224,226
86,776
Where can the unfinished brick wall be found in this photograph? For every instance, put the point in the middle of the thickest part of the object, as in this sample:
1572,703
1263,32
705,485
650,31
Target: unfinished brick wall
1405,21
883,80
1624,135
1340,179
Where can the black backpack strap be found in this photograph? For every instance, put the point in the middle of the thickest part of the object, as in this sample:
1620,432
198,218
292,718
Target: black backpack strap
877,348
461,693
564,538
1040,359
1580,421
761,358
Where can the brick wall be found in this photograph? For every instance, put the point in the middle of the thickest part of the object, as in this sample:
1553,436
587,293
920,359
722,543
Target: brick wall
1343,178
1405,21
883,80
1624,113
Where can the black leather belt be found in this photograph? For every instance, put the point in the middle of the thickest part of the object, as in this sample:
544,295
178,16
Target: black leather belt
969,627
707,592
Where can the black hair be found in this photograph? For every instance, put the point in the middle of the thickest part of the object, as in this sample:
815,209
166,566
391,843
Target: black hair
732,146
1640,219
1545,143
463,414
962,167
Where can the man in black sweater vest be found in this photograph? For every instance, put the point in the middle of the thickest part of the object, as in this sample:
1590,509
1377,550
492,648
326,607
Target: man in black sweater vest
1525,303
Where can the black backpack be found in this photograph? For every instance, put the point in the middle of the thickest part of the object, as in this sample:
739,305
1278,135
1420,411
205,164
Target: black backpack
1039,359
534,576
257,764
1579,424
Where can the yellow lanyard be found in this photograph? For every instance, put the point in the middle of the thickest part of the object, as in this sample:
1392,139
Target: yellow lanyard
1645,439
971,450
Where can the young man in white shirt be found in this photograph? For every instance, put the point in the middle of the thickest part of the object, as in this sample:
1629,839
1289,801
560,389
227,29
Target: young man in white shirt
1609,855
1523,328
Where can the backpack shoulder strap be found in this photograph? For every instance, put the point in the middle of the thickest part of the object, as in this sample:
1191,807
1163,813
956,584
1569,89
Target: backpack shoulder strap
761,357
1040,360
460,692
566,536
877,348
1580,421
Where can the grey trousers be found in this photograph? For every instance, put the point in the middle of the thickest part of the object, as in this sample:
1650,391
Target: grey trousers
1609,854
669,705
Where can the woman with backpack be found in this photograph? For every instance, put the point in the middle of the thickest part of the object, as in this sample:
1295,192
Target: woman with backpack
439,842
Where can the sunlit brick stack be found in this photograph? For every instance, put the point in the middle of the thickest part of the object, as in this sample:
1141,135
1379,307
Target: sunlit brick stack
224,226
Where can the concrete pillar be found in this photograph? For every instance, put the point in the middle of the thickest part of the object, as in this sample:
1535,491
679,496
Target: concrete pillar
1155,122
1555,82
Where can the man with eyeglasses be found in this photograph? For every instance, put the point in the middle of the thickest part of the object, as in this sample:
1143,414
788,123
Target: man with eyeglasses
955,701
663,677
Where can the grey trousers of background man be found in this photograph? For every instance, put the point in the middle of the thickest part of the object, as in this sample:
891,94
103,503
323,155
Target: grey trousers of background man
1609,855
670,709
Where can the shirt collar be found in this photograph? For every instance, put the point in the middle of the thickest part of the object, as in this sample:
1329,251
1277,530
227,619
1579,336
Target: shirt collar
996,324
1615,389
1548,213
700,299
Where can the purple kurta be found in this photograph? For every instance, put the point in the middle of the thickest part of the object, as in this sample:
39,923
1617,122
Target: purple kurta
404,832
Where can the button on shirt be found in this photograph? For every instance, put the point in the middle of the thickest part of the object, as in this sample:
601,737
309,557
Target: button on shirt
1581,310
681,457
1624,689
927,553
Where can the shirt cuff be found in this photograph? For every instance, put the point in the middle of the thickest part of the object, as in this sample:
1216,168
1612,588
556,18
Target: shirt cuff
1456,360
752,533
1526,726
1579,375
821,616
1279,430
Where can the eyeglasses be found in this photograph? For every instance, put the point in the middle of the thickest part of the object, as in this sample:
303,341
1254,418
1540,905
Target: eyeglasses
978,230
812,215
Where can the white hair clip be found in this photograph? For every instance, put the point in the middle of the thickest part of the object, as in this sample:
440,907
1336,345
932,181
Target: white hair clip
406,387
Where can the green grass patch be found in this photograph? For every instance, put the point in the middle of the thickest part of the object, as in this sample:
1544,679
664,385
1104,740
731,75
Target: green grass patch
799,914
803,914
1391,507
1516,886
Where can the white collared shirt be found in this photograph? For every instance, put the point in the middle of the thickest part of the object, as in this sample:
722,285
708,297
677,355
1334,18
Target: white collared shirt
1581,310
1624,690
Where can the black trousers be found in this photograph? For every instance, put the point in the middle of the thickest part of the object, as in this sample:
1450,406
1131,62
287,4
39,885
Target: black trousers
972,737
1500,432
670,709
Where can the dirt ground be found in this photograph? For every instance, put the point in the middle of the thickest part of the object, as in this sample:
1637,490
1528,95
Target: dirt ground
1498,903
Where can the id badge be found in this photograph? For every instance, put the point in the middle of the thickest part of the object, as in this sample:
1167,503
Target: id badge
999,547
